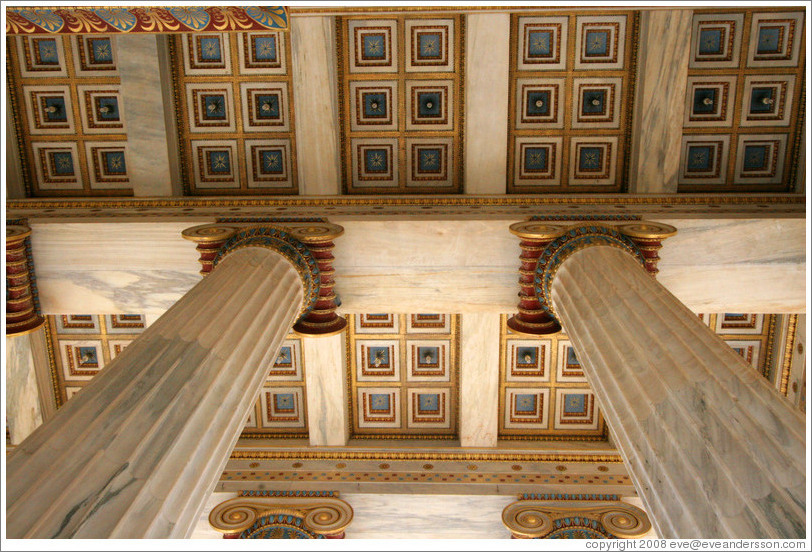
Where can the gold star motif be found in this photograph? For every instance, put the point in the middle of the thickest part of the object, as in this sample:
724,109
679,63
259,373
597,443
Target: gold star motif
103,51
115,163
431,46
266,48
539,42
430,158
220,161
210,49
272,162
535,158
698,157
48,50
63,162
591,159
376,160
375,46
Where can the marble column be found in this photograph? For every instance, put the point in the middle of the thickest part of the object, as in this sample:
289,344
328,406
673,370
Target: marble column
713,449
29,390
138,451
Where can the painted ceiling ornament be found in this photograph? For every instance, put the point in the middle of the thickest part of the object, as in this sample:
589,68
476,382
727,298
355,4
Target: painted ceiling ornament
45,18
581,518
196,18
268,16
120,18
282,516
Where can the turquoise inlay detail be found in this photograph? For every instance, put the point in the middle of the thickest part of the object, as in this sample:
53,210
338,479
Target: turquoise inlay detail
45,18
267,16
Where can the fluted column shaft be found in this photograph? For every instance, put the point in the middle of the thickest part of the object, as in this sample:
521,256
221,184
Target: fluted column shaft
713,450
137,451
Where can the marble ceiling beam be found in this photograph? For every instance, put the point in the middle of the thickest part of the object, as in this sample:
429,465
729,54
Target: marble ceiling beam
416,266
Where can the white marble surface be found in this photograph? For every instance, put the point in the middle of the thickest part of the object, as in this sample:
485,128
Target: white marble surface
23,411
411,266
315,84
713,449
479,380
662,77
143,111
139,450
797,373
326,389
486,102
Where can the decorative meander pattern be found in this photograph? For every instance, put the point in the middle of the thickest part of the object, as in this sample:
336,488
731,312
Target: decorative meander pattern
571,100
544,393
401,100
402,375
234,108
69,118
744,102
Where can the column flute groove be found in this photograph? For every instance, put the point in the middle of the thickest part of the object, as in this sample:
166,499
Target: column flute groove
712,448
136,453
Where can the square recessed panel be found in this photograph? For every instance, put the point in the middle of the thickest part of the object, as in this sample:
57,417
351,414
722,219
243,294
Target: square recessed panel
265,106
593,161
568,367
575,409
283,407
775,39
373,46
429,162
41,56
766,100
269,163
760,158
124,323
116,346
429,408
378,407
373,105
107,164
210,107
262,53
77,324
537,161
539,103
526,408
206,54
429,105
287,366
430,45
596,103
716,40
49,109
600,42
94,55
57,165
101,108
428,360
710,101
528,361
704,158
215,163
81,359
377,360
739,323
428,323
748,349
377,323
542,43
374,162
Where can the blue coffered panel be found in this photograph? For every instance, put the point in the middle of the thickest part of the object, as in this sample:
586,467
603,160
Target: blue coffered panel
743,112
235,113
401,100
572,89
70,125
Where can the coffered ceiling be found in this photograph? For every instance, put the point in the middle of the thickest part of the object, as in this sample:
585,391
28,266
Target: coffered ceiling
402,373
400,88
